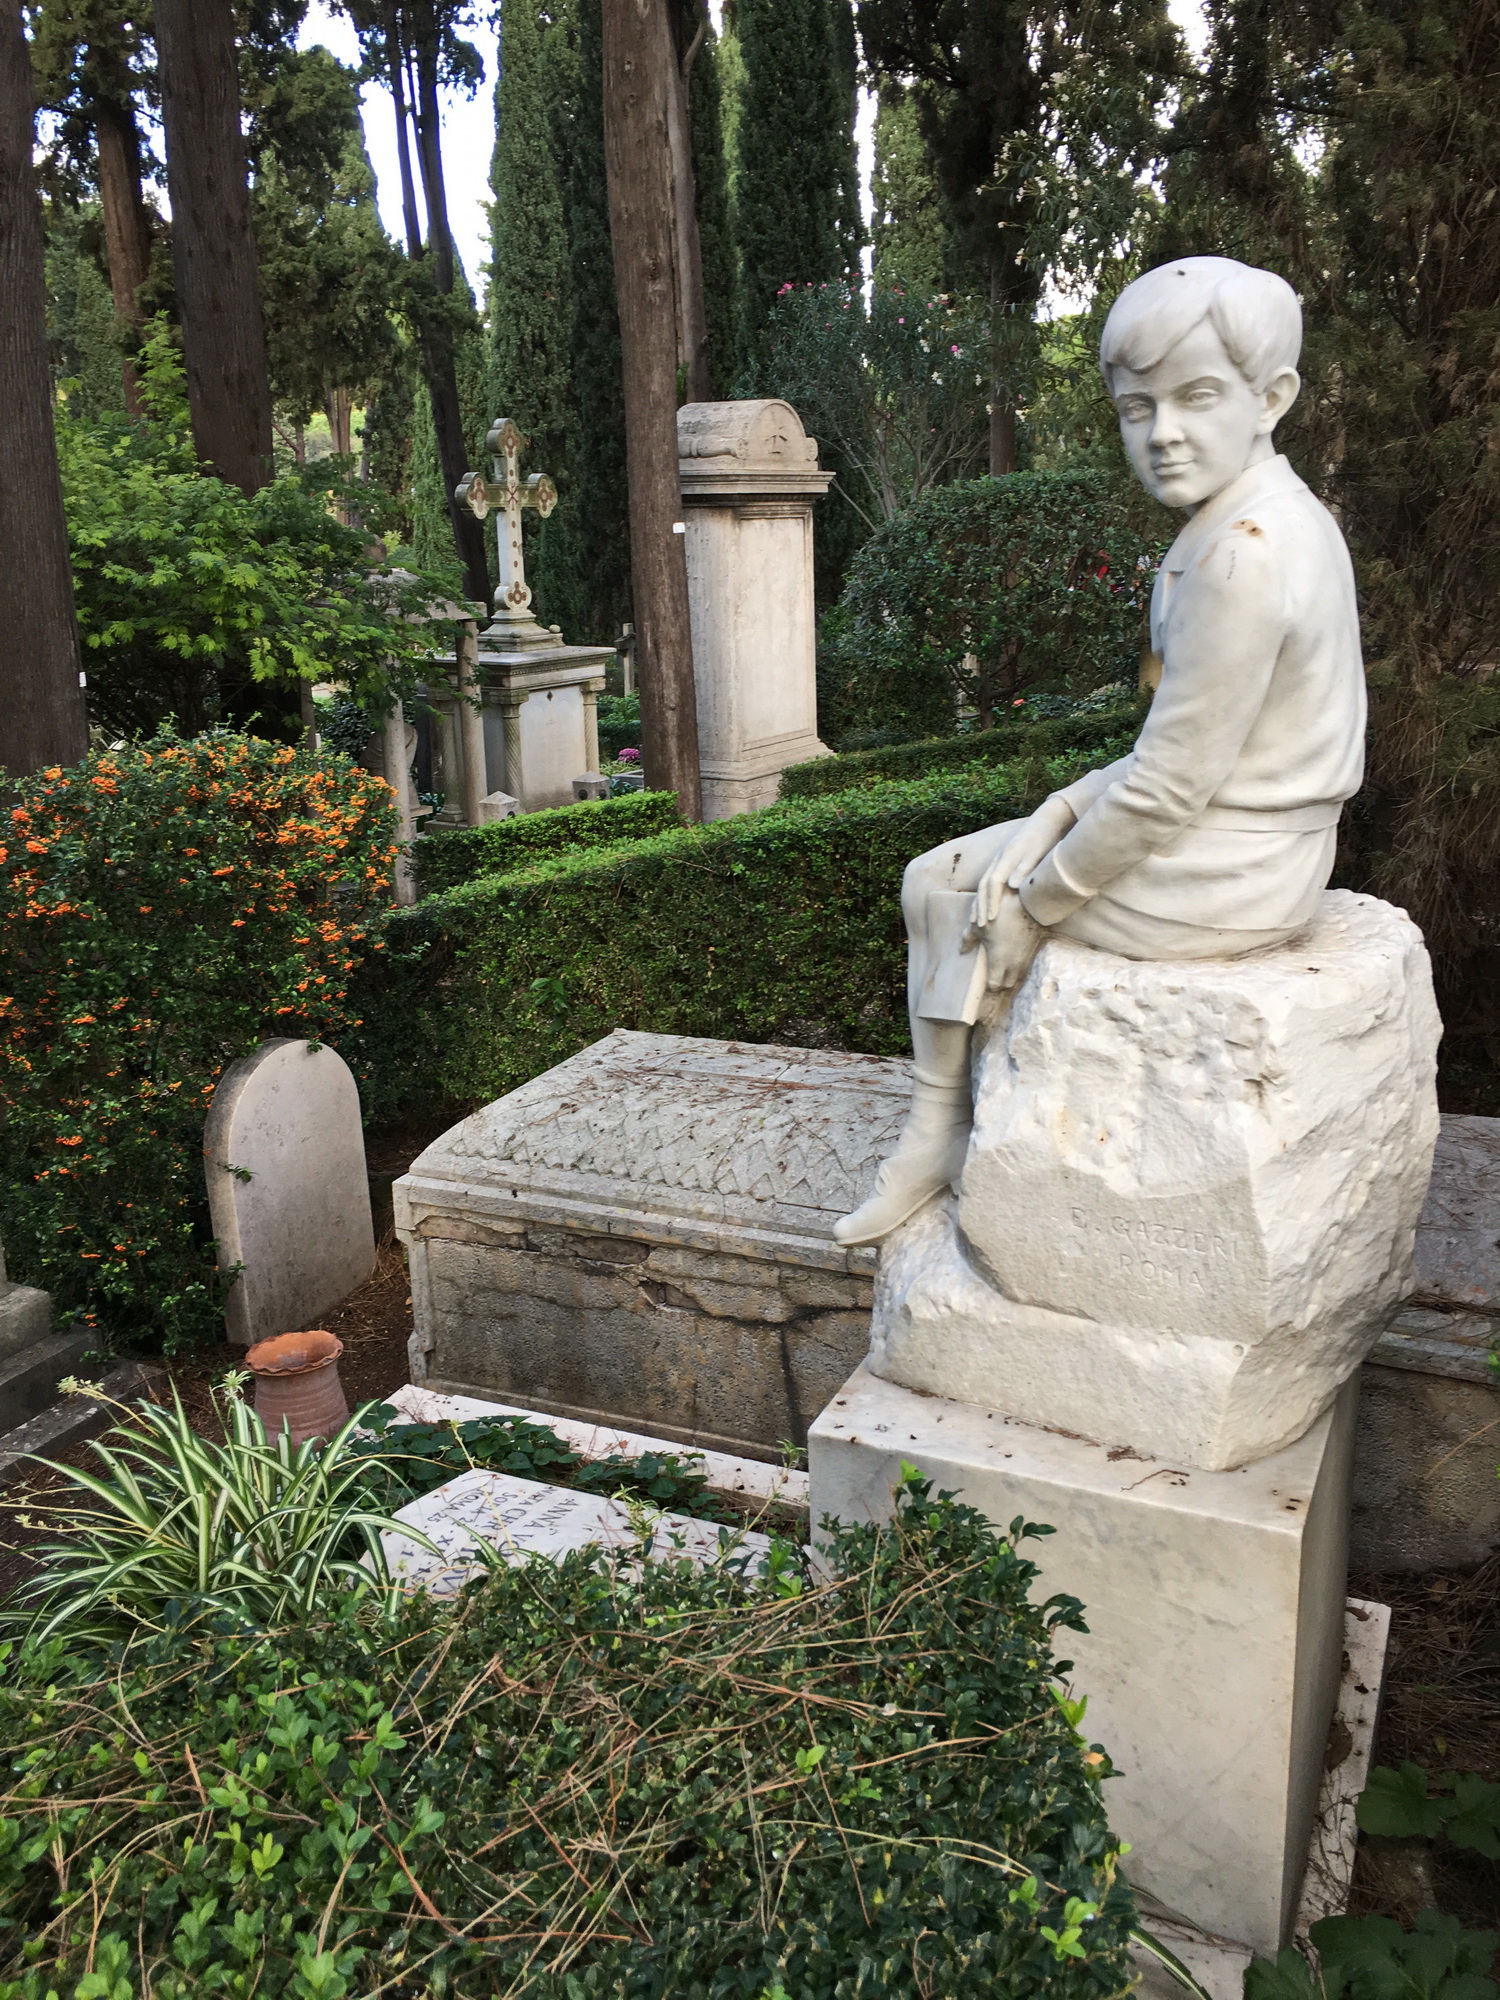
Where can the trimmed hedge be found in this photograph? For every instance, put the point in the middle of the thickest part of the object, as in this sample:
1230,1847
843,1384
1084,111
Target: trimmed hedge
444,859
1108,731
777,926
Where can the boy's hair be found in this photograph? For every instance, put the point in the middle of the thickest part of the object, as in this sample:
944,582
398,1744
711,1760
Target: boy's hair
1254,313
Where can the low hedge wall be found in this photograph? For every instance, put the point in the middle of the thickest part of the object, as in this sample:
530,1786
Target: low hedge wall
1110,732
777,926
446,858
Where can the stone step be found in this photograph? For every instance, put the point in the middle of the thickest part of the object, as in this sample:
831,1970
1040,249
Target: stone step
25,1317
29,1375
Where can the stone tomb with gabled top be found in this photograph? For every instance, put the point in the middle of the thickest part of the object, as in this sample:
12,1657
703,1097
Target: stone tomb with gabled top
643,1235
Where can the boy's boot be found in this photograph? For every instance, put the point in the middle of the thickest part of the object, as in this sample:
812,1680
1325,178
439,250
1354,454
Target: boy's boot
929,1156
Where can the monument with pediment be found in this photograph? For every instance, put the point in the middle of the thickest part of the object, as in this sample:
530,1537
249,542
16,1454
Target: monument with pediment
749,475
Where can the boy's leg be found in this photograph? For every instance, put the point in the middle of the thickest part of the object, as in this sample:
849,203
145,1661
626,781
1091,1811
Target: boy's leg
930,1152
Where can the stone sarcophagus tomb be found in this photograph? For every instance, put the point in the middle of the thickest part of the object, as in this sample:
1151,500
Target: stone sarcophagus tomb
643,1236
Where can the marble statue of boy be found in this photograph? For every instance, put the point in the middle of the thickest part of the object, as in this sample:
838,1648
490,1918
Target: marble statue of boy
1216,835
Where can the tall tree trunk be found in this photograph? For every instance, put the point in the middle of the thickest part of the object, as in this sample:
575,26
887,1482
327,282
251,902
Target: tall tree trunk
127,229
639,79
396,69
42,715
1002,396
692,317
341,421
213,245
438,363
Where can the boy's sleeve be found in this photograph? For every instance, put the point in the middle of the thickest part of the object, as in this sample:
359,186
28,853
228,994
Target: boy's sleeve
1222,642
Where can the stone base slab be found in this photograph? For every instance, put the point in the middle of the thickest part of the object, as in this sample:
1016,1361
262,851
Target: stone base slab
1215,1610
25,1317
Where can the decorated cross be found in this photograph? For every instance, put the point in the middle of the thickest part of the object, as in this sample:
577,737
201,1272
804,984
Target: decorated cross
510,494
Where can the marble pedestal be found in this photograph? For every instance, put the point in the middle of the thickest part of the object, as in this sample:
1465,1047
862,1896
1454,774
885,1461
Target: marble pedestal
1215,1604
537,728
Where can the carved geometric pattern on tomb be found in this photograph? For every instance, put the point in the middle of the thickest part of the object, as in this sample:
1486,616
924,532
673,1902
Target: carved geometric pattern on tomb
800,1128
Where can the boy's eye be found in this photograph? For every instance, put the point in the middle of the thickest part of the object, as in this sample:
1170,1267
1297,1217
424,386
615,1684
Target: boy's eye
1134,408
1199,399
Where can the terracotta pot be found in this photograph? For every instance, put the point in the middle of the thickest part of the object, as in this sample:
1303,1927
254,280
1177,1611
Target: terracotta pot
297,1384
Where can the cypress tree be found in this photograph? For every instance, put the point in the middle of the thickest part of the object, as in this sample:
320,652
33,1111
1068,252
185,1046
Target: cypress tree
715,230
432,536
531,286
796,183
908,227
603,558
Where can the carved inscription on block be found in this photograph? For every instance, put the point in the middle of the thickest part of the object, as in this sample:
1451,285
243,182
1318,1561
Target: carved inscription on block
1178,1255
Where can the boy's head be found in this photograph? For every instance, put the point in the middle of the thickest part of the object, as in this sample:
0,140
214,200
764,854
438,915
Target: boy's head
1200,358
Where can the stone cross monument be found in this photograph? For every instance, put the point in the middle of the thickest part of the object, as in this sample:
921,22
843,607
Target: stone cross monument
514,716
513,622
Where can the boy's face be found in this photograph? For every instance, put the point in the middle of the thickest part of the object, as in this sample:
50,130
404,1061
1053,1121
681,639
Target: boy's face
1191,423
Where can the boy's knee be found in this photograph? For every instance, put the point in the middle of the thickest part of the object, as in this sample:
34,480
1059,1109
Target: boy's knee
918,881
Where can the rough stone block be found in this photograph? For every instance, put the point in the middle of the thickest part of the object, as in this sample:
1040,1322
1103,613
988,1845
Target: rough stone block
1191,1195
675,1270
287,1189
25,1316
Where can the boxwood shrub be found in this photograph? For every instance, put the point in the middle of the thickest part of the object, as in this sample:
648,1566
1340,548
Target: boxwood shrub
449,856
777,926
580,1783
1108,731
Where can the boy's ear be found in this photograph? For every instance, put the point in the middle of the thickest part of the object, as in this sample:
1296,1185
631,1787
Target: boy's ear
1278,397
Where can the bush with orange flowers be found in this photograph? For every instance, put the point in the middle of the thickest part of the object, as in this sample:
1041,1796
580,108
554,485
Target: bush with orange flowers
163,908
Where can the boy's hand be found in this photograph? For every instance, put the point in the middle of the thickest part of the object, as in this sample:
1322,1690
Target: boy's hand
1010,942
1034,839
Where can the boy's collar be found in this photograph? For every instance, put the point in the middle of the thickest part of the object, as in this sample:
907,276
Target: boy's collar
1271,475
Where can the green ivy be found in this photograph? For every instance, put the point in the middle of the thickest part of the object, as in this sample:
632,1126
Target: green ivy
419,1457
584,1781
450,856
1372,1958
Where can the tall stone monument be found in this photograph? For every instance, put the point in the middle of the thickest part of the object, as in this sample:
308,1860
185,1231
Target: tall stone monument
749,476
518,699
1172,1122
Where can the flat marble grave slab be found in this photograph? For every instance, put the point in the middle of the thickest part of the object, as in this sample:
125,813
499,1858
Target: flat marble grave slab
520,1518
740,1478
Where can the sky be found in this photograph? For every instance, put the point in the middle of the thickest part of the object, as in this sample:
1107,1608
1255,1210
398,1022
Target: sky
469,129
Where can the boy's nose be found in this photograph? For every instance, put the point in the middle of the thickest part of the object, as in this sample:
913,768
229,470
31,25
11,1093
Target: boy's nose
1166,425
